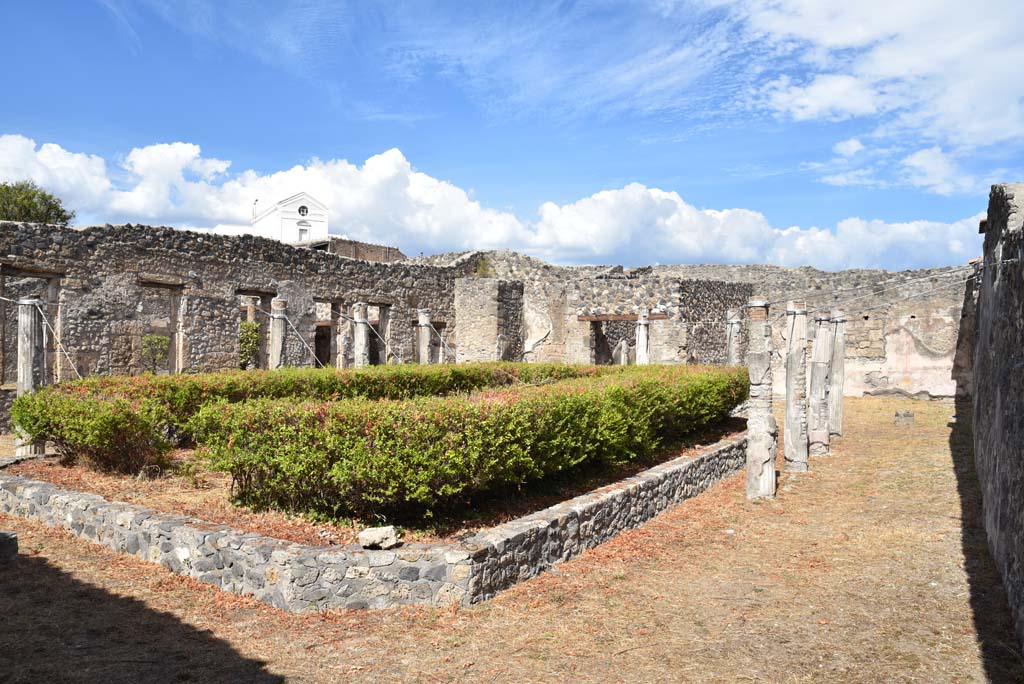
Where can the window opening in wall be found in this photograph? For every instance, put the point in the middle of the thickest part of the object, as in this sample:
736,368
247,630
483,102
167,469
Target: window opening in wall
613,340
325,339
322,344
254,312
153,340
379,316
599,342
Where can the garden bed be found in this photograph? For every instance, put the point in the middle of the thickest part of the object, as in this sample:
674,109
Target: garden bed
192,490
493,486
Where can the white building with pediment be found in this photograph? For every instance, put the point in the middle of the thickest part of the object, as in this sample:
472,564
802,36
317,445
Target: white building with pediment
297,219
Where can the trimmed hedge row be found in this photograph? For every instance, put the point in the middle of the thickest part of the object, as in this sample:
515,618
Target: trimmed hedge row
334,458
126,422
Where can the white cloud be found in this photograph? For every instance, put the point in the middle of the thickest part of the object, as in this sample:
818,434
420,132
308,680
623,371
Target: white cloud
387,200
947,70
78,178
936,171
826,96
848,148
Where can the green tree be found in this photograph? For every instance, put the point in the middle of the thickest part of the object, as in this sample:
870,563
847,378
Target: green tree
26,202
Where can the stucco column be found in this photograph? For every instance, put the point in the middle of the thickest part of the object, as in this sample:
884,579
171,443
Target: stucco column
360,335
762,431
342,336
733,324
250,309
837,375
795,435
29,340
278,325
423,316
817,403
643,337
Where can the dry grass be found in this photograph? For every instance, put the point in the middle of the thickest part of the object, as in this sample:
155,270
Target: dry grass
869,569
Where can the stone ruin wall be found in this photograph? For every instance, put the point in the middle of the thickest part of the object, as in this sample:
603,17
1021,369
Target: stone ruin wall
363,251
998,398
108,286
909,346
554,298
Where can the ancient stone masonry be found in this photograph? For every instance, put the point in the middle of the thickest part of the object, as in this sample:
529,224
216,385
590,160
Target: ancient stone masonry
106,287
296,577
909,344
998,397
584,314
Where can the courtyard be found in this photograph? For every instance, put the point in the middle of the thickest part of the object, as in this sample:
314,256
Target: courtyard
872,567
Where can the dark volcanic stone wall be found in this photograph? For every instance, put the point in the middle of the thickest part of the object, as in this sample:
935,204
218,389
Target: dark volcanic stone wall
998,415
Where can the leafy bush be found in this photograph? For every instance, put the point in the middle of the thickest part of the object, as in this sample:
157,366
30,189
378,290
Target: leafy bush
109,435
248,345
151,412
355,456
154,350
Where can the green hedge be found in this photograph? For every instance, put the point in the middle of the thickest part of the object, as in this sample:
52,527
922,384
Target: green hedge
102,418
335,458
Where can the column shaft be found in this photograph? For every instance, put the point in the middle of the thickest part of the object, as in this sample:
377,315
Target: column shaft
762,431
795,434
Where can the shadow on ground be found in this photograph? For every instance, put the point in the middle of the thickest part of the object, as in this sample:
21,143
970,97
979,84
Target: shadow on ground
54,628
992,619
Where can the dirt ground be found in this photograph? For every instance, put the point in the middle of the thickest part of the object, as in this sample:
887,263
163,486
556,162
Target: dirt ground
871,568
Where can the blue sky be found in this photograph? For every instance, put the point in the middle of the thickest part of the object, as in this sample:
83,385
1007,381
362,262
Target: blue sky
784,131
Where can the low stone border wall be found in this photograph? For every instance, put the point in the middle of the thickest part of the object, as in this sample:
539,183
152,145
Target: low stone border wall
296,577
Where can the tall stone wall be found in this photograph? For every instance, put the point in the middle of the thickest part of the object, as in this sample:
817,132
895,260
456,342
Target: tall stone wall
998,398
365,251
108,286
690,328
907,345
